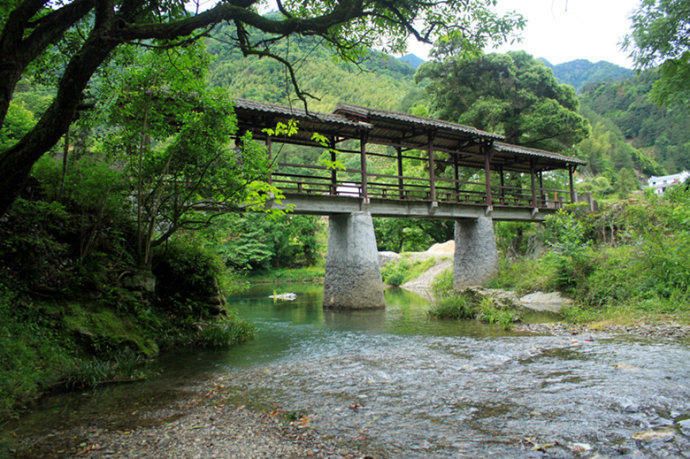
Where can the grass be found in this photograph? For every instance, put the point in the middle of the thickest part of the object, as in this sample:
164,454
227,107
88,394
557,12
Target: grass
526,275
464,306
46,346
310,274
405,269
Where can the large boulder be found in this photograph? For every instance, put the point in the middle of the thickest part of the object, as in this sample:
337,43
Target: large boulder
549,302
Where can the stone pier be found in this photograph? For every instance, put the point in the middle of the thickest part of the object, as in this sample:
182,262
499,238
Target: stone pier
353,279
476,257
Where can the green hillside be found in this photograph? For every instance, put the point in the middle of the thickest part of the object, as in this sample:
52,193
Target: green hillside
380,80
581,72
663,132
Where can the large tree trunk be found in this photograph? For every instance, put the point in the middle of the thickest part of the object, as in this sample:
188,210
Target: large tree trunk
16,163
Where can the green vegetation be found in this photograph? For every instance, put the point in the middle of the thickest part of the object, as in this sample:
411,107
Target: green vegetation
626,262
658,132
581,72
469,306
660,37
527,104
405,269
310,274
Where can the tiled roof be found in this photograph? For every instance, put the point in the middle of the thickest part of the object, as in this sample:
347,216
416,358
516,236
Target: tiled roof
369,113
244,104
517,149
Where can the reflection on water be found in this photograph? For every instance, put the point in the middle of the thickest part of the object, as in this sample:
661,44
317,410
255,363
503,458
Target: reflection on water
420,387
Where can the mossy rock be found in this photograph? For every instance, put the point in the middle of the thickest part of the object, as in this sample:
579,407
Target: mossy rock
107,331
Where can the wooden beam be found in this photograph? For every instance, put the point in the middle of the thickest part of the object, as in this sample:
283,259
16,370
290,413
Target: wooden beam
487,175
334,173
502,191
571,183
269,150
533,185
401,182
456,177
363,163
542,198
432,169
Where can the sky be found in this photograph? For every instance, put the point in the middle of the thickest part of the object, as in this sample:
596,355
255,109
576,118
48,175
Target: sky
564,30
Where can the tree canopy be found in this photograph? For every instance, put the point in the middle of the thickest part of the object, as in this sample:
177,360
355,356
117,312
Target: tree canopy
661,36
512,94
88,32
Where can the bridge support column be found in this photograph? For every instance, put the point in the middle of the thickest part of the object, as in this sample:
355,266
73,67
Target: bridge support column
353,279
476,257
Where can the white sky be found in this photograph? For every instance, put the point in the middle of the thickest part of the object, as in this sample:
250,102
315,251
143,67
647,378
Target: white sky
563,30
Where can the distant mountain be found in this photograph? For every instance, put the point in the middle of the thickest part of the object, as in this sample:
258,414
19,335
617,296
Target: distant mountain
582,72
412,59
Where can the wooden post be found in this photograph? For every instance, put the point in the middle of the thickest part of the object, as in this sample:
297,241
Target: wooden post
363,164
269,150
533,185
432,169
572,185
456,177
334,174
401,182
487,175
502,192
542,197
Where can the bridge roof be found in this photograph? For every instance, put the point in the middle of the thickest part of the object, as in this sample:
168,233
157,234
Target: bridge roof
402,130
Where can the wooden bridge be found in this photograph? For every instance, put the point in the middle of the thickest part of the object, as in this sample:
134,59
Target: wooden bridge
394,164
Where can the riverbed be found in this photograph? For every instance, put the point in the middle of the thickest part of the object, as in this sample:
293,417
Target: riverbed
390,383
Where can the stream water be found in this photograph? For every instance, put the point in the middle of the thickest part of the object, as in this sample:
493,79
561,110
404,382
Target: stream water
396,383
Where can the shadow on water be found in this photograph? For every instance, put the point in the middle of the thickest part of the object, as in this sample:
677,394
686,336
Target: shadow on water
425,388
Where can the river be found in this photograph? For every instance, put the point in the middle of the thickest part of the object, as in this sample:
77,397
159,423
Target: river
395,383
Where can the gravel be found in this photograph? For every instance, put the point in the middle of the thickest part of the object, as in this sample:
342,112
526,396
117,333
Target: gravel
205,425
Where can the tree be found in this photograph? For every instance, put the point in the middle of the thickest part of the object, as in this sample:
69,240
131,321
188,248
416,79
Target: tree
173,133
31,28
512,94
661,36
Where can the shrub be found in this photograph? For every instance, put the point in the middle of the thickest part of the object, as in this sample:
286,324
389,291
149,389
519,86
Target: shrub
225,333
404,270
187,278
455,307
490,313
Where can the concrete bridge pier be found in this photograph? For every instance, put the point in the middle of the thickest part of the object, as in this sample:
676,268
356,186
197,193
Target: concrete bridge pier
476,257
353,279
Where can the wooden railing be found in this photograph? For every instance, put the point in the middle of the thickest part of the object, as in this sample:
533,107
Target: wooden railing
319,180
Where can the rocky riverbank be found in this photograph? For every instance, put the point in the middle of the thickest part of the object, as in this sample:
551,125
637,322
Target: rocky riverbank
205,423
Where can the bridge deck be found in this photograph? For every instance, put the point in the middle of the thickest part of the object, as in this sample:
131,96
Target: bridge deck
328,205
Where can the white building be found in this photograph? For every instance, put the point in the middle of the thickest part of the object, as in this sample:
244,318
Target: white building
661,183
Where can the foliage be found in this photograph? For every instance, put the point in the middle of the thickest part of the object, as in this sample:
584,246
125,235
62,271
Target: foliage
257,241
581,72
458,307
660,36
628,258
489,313
467,306
311,274
512,94
657,133
405,269
442,285
525,274
409,234
88,37
18,122
173,133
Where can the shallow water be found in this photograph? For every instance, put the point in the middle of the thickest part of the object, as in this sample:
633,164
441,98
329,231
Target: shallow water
399,384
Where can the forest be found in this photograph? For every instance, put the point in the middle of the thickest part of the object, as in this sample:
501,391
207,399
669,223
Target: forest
109,255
